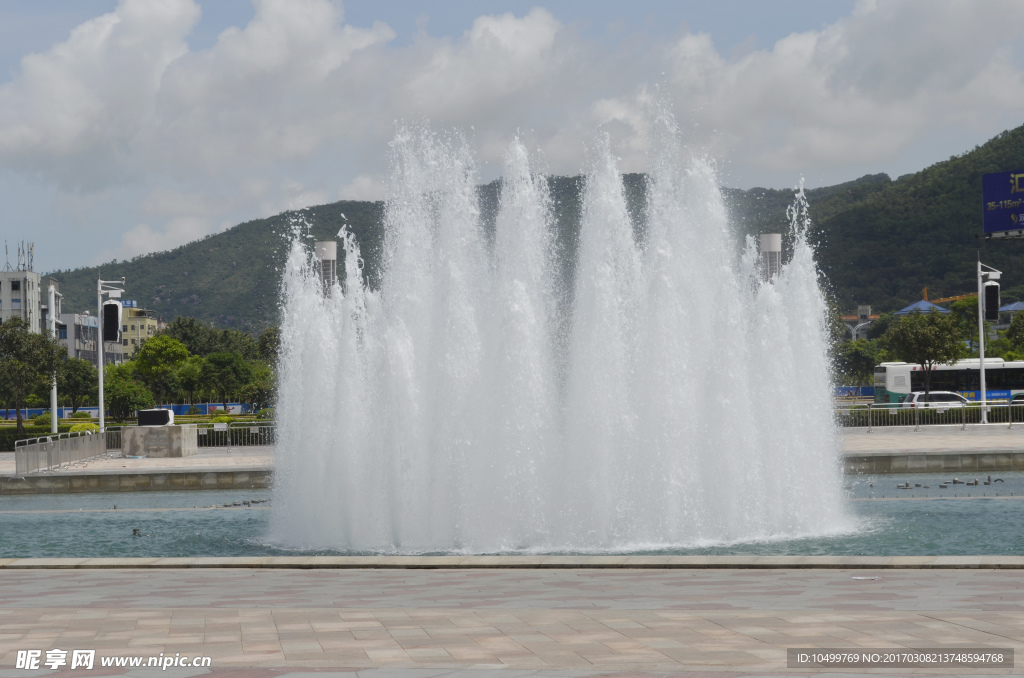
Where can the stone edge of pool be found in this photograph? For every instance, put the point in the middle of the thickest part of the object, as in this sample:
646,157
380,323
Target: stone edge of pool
526,562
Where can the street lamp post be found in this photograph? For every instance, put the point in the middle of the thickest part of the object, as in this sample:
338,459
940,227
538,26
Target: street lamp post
992,274
104,287
52,300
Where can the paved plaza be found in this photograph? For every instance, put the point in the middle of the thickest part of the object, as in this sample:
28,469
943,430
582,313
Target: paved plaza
208,459
855,442
421,623
933,439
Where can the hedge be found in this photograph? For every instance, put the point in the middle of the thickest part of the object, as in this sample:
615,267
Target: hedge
9,434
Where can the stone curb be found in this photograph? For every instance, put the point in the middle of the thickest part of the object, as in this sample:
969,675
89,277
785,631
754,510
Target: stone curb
527,562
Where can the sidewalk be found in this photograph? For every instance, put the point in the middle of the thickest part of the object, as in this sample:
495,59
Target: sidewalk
428,623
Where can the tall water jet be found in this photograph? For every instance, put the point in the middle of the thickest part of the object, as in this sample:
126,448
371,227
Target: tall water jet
684,401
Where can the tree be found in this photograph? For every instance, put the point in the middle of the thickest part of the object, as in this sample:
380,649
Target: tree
202,339
122,394
261,391
226,373
966,312
76,379
268,344
156,361
196,335
928,339
878,328
1015,333
855,362
190,376
26,359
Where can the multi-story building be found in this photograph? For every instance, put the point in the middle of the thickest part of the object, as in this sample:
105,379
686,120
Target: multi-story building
137,325
78,334
20,297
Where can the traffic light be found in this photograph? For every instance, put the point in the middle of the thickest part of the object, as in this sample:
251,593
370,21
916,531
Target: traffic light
992,301
111,320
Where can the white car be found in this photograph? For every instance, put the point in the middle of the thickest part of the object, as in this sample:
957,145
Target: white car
935,400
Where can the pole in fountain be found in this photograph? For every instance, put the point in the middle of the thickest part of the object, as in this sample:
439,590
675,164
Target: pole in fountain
327,259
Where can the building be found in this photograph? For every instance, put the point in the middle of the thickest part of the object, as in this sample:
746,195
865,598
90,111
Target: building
78,334
137,325
20,291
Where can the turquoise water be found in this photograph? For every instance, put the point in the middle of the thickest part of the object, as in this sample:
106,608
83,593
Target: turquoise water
183,524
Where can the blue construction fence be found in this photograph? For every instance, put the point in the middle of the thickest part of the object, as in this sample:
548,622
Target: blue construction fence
65,412
854,392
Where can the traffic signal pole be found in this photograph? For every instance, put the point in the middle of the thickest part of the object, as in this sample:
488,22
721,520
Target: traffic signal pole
992,274
113,292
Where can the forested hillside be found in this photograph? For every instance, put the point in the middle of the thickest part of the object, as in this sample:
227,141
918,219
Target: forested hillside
879,241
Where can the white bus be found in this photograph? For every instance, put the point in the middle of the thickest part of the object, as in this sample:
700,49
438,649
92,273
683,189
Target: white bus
895,381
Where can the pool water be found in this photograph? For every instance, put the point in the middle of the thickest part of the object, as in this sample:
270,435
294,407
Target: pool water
919,521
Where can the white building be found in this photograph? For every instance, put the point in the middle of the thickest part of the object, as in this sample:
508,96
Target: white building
20,294
20,298
78,332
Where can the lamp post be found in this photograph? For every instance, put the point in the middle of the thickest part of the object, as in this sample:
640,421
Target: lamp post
104,287
992,274
52,301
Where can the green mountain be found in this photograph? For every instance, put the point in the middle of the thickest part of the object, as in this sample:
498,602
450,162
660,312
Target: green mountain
879,242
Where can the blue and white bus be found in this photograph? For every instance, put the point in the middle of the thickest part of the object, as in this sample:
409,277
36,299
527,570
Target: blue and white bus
895,381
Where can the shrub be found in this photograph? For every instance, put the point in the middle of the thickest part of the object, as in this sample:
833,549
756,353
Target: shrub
222,419
84,427
194,410
9,434
81,415
42,419
267,413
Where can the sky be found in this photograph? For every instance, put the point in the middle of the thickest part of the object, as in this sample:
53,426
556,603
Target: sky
134,126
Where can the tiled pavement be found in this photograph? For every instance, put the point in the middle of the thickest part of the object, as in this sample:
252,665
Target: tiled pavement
208,459
422,623
933,439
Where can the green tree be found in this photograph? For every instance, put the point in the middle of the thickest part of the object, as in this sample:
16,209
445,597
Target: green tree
156,361
261,391
123,395
190,376
26,360
855,362
927,339
966,312
1015,333
879,327
233,341
268,344
202,339
76,379
196,335
226,373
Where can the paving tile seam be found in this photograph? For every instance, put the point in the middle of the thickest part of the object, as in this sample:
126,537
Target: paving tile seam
526,562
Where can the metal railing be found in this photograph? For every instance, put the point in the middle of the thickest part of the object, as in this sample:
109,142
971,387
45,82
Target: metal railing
237,435
884,415
48,452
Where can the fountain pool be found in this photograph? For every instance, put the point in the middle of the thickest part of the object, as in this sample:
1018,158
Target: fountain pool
85,526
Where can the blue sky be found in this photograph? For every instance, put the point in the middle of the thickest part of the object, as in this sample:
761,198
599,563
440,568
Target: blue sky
131,126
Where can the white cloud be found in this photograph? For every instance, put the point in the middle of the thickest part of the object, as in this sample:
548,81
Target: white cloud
363,187
283,111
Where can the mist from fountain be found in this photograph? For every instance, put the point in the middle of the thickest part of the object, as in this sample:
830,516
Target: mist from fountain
662,396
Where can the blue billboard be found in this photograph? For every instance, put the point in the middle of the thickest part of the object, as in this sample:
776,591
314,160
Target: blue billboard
1003,207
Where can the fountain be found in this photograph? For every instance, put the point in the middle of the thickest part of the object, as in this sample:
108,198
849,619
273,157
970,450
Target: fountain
660,395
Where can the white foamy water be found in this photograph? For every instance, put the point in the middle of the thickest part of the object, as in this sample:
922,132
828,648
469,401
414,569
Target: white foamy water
665,397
